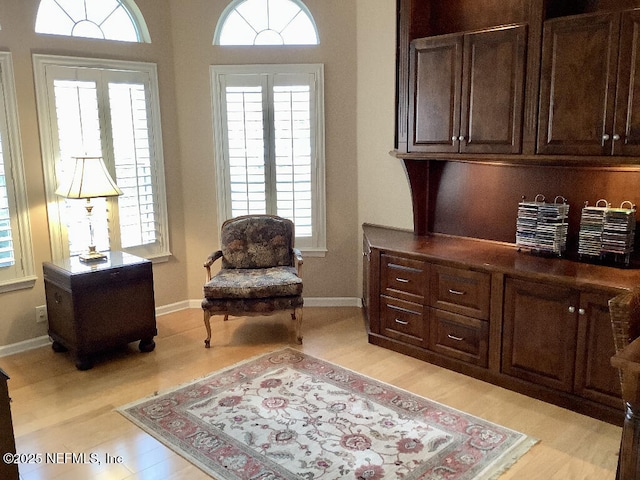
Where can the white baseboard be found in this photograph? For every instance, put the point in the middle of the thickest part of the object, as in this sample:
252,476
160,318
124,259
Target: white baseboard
24,346
175,307
332,302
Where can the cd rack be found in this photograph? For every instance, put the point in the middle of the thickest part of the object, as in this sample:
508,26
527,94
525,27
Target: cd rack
607,233
542,227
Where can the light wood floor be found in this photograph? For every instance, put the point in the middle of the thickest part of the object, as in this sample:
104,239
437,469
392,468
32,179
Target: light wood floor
57,408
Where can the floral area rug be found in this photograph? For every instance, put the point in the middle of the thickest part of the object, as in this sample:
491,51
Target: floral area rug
287,415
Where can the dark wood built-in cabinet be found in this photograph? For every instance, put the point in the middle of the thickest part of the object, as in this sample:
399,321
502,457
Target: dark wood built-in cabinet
589,88
466,91
537,325
495,101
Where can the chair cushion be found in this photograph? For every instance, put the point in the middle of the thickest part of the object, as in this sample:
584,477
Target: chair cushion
254,283
251,306
257,242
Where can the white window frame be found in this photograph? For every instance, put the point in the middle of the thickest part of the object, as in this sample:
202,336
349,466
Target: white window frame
314,245
22,274
259,25
135,15
44,68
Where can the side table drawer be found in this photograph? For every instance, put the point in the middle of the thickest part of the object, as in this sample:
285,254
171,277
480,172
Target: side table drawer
404,278
459,337
466,292
403,321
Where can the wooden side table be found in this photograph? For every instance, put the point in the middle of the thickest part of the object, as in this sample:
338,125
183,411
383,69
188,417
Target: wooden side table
628,361
8,470
93,307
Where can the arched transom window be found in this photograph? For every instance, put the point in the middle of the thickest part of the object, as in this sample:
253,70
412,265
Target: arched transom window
266,22
104,19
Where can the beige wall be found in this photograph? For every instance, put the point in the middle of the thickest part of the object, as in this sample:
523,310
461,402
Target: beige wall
363,182
384,197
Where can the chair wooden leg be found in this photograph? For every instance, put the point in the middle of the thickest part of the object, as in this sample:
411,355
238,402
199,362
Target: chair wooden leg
226,317
296,316
207,325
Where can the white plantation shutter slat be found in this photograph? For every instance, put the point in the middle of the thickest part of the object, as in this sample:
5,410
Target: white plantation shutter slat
132,159
292,129
78,133
245,128
7,257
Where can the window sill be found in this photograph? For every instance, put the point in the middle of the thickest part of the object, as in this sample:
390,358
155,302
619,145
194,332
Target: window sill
18,284
313,253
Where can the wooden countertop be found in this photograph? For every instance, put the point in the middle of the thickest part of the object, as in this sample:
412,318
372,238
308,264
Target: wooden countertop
500,257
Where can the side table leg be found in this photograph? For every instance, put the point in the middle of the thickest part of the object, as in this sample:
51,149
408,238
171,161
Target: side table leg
84,363
147,345
58,347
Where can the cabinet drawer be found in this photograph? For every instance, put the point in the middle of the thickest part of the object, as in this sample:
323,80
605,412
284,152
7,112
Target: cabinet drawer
403,278
460,291
459,337
403,321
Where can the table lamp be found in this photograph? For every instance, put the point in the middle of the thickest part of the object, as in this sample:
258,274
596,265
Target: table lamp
88,178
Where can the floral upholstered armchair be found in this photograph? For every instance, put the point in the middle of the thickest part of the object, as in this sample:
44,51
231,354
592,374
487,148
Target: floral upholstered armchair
259,274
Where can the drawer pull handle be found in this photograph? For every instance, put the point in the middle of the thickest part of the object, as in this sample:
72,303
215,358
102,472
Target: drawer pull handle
402,280
456,292
57,297
401,322
453,337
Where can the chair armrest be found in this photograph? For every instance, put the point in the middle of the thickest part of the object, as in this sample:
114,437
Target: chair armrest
297,260
210,259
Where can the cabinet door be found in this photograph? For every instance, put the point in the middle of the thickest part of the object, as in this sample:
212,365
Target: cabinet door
435,75
595,377
577,85
539,333
492,91
626,131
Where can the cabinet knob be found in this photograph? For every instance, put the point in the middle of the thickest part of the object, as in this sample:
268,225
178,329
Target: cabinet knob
461,138
605,137
616,137
454,138
582,311
572,309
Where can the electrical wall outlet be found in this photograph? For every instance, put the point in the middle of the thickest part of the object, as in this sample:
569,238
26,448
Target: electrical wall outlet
41,314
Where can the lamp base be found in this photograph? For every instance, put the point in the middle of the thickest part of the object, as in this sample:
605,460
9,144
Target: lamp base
92,256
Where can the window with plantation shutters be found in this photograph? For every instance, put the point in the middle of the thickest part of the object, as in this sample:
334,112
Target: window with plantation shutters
269,126
16,261
109,109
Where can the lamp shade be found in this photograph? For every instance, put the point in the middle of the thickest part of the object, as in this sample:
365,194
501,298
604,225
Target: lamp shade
87,178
